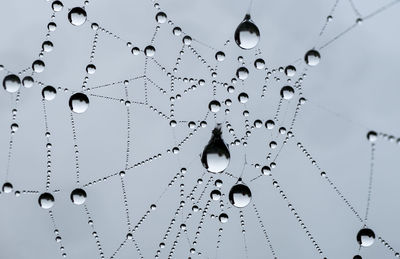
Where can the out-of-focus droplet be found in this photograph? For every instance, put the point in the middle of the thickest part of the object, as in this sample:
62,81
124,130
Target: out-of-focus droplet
161,17
247,34
312,57
242,73
38,66
223,217
240,195
290,70
366,237
78,102
57,6
46,200
215,195
27,81
357,257
49,93
259,63
77,16
372,136
243,97
216,155
47,46
7,187
220,56
287,92
11,83
149,51
78,196
91,69
214,106
14,127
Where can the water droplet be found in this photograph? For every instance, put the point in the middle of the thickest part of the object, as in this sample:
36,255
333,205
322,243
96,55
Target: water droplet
269,124
149,51
11,83
161,17
366,237
38,66
312,57
187,40
247,34
220,56
78,196
357,257
14,127
287,92
51,26
47,46
290,70
240,195
77,16
49,93
243,97
372,136
135,51
177,31
223,217
215,195
259,63
242,73
57,6
214,106
216,156
91,69
46,200
27,82
78,102
7,187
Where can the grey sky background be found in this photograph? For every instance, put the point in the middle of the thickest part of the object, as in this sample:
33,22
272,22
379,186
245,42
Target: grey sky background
354,89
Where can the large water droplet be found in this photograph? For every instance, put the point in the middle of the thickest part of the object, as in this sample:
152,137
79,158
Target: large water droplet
214,106
247,34
38,66
47,46
57,6
149,51
220,56
78,102
11,83
7,187
287,92
216,156
242,73
161,17
223,217
366,237
215,195
77,16
46,200
312,57
78,196
290,70
240,195
372,136
49,93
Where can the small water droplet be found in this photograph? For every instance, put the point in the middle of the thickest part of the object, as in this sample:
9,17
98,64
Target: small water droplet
78,102
38,66
161,17
57,6
215,195
372,136
290,70
242,73
214,106
49,93
149,51
78,196
46,200
287,92
47,46
223,217
259,63
220,56
312,57
91,69
243,97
